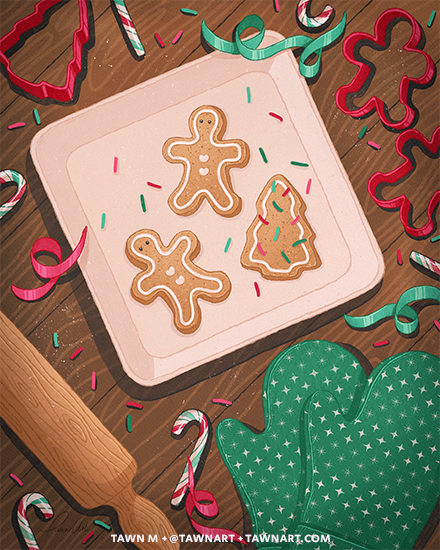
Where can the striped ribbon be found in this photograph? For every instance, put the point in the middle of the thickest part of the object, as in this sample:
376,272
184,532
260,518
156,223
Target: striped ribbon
129,27
15,177
179,425
425,262
40,502
313,22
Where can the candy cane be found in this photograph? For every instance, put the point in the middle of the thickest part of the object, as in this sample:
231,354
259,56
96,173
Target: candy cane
39,501
313,22
425,262
129,28
16,177
178,427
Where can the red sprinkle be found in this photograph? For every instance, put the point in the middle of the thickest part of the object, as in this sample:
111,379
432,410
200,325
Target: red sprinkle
16,479
222,401
280,118
260,248
177,37
399,257
76,353
309,183
93,381
159,40
277,5
263,220
16,125
115,165
134,405
437,324
295,220
154,185
374,145
86,538
285,192
257,289
381,343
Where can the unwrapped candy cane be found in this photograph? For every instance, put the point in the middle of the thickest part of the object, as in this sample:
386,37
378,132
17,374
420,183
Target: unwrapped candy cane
179,425
15,177
40,502
313,22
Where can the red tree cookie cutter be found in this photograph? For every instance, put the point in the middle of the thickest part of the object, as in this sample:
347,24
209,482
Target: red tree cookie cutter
364,70
44,90
402,202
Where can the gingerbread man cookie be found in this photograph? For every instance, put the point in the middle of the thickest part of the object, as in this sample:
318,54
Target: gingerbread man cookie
169,272
207,160
280,241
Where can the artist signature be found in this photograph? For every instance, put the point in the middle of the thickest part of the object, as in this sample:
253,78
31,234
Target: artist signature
61,524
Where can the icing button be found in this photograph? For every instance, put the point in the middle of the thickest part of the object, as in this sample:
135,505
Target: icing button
180,280
204,171
170,271
204,158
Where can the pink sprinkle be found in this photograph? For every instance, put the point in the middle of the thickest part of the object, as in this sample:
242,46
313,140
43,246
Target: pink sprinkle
93,381
263,220
285,192
260,248
222,401
381,343
277,5
154,185
374,145
76,353
86,538
399,257
134,405
437,324
115,165
16,125
177,37
257,289
295,220
16,479
159,39
280,118
309,183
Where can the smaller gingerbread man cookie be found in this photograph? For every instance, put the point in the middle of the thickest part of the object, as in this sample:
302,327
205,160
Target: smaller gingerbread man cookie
207,160
169,272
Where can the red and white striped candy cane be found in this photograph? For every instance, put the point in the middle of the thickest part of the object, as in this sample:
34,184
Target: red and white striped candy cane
313,22
32,499
425,262
15,177
179,425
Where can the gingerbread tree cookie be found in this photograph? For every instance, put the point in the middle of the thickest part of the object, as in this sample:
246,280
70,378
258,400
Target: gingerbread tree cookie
280,241
169,272
207,160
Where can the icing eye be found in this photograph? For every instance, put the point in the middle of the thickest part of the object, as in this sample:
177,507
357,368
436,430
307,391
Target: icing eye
209,122
140,249
201,120
147,242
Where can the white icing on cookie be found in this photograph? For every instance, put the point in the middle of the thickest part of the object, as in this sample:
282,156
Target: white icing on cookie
204,158
170,271
203,171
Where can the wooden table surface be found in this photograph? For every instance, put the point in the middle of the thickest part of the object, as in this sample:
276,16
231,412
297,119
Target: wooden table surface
70,310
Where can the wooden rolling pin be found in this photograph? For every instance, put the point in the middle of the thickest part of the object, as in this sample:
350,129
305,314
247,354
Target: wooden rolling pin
54,423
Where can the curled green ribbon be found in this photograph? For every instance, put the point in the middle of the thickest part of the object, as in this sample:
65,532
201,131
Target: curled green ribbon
248,48
400,309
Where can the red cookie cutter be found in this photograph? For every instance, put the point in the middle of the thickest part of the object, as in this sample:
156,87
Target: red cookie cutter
402,201
44,90
361,76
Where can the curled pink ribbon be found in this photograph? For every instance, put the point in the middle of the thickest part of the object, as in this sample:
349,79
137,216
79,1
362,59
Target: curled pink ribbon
53,272
194,499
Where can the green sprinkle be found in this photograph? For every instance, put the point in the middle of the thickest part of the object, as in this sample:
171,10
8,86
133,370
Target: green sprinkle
277,234
277,207
55,340
435,239
285,257
295,163
37,117
248,91
299,242
431,18
129,428
103,220
227,244
187,11
363,132
144,208
274,183
262,154
102,524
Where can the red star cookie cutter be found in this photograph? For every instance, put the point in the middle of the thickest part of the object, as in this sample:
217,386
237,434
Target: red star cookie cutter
364,70
402,202
44,90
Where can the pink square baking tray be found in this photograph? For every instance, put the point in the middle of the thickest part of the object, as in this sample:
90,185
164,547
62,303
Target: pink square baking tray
74,158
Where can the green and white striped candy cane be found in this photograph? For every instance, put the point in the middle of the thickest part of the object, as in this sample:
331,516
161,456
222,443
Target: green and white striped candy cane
15,177
32,499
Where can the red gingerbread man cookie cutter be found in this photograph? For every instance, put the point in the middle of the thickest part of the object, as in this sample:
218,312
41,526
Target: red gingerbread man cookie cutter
364,70
44,90
402,202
